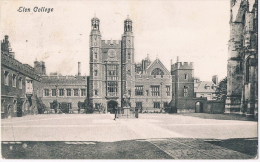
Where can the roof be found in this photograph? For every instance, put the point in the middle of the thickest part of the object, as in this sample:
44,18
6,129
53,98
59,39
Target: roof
157,64
205,87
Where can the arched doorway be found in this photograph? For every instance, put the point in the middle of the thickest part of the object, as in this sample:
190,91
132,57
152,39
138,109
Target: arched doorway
199,107
111,105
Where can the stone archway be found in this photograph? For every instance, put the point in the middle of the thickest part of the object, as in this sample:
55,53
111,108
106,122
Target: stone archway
198,107
111,105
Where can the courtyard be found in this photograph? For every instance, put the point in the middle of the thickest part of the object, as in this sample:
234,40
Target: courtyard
151,136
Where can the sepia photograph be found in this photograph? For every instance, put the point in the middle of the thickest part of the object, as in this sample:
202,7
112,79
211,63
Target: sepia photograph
129,80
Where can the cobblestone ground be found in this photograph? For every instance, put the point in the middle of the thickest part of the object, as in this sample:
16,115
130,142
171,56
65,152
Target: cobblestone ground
152,136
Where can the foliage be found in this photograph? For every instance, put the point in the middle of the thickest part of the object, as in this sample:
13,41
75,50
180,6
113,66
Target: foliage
88,106
40,105
221,91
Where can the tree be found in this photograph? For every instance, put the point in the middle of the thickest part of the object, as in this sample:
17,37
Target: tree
221,91
88,106
40,105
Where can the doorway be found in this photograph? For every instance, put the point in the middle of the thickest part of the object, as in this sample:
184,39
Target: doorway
199,107
111,105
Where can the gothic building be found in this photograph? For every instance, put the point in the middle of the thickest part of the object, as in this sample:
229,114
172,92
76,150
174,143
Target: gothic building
18,96
242,69
112,68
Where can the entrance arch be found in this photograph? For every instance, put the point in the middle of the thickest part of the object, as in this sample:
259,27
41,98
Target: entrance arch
198,107
111,105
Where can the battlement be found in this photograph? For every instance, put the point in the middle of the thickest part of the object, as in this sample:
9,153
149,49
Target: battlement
110,43
182,65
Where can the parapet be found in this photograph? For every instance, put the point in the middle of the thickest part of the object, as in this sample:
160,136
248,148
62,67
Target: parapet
110,43
182,66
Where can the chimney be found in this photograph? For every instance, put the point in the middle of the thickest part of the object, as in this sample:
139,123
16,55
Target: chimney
79,69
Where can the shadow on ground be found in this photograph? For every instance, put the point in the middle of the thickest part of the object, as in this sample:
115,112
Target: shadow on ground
171,148
218,116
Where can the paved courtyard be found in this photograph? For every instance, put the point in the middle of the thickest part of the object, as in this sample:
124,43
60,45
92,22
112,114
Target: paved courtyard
151,136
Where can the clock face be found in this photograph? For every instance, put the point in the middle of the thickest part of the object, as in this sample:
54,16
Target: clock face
111,53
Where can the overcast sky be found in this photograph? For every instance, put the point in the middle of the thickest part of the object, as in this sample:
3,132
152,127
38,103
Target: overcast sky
195,30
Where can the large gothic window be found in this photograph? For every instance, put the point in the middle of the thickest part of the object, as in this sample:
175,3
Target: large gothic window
157,71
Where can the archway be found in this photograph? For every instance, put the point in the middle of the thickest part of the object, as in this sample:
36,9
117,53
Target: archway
111,105
199,107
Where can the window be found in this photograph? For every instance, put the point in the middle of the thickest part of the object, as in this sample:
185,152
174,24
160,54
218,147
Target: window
185,89
76,92
46,92
95,55
68,92
185,76
155,90
61,92
14,80
129,55
83,92
53,92
20,83
168,90
96,92
112,88
157,71
112,72
95,72
6,78
129,92
156,105
139,90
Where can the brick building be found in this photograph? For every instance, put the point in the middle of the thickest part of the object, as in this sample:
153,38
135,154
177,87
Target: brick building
68,90
18,96
112,68
153,86
182,87
242,69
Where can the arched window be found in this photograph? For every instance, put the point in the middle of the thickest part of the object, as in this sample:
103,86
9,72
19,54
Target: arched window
157,71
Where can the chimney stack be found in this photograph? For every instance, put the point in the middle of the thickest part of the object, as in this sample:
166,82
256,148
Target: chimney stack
79,69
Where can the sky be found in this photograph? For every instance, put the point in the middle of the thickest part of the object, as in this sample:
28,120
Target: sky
195,30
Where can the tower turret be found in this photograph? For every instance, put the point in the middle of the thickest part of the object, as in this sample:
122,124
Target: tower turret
95,79
127,60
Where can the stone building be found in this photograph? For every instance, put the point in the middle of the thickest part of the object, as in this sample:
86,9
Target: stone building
67,90
242,69
153,86
112,68
18,96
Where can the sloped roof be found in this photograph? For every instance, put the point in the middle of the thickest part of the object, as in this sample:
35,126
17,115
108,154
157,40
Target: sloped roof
202,87
157,64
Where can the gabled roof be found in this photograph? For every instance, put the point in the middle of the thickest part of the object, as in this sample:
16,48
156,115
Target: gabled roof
201,87
157,64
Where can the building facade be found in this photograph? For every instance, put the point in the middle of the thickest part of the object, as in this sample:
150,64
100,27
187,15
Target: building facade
153,86
18,96
66,90
112,68
242,69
